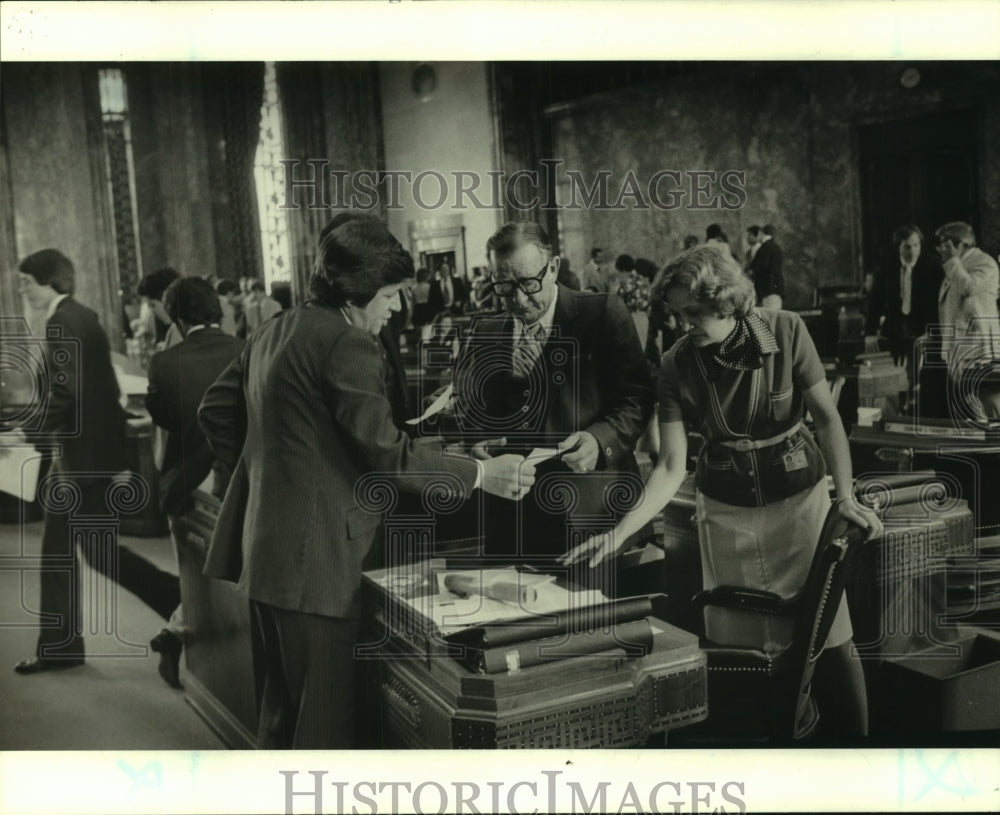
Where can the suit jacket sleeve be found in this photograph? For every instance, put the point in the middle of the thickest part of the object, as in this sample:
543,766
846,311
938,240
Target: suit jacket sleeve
357,400
159,401
977,280
223,413
626,383
876,303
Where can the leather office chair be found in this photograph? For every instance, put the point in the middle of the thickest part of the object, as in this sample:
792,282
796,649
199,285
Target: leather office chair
756,696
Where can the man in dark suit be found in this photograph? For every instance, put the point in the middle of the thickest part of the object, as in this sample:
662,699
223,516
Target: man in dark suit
558,368
448,292
765,269
902,304
905,293
178,379
304,417
83,416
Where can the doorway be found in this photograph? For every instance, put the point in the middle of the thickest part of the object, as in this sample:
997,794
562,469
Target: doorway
921,170
433,261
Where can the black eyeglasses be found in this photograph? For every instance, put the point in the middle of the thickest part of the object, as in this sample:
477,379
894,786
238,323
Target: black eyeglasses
529,285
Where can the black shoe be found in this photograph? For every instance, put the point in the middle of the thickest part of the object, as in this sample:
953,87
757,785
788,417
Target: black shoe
38,664
168,645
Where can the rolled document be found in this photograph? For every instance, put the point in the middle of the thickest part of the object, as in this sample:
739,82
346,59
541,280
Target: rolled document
508,591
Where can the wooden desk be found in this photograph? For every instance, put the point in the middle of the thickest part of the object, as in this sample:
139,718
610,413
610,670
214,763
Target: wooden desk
432,700
222,656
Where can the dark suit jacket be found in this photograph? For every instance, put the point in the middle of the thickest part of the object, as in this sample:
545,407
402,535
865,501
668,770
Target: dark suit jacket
436,296
82,409
178,379
766,270
303,412
592,377
885,299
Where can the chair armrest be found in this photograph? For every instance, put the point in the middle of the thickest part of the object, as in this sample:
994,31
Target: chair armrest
762,602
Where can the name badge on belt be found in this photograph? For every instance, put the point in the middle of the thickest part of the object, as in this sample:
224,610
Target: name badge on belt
795,460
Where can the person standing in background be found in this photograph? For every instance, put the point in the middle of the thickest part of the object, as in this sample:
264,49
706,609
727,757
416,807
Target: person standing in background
84,417
178,379
967,304
448,292
153,324
765,268
716,238
753,244
594,277
226,289
258,307
903,302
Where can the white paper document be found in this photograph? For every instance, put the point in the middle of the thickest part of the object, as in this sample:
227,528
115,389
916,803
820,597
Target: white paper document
452,612
435,407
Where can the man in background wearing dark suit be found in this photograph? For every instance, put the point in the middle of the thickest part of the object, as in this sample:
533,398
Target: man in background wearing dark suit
904,302
178,379
557,368
83,416
765,269
448,292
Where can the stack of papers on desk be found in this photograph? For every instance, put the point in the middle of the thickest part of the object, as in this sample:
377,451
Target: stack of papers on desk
450,612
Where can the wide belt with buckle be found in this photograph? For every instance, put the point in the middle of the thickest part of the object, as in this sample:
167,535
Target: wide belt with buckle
746,445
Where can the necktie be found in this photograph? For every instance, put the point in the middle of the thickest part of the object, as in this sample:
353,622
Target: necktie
528,348
906,288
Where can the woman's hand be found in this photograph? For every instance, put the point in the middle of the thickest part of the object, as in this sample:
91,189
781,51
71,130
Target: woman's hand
861,515
599,547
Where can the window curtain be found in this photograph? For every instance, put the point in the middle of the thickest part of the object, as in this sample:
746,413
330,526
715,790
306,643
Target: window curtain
301,93
236,92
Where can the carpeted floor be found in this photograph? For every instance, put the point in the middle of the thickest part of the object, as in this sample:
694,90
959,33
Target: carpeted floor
116,701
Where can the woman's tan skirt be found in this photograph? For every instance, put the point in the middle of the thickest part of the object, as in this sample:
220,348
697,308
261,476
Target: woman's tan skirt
769,548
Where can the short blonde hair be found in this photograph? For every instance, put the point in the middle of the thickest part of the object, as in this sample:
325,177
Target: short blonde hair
711,278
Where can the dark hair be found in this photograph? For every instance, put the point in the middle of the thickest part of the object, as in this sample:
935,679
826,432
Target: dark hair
753,230
646,268
711,277
258,286
357,256
423,275
513,234
768,230
904,232
624,263
713,231
225,286
153,285
690,241
193,301
595,252
50,267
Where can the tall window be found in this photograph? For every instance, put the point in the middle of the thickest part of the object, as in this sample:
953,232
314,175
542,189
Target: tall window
121,175
269,179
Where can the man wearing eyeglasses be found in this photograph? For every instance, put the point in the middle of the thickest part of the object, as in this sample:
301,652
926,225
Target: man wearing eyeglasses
556,369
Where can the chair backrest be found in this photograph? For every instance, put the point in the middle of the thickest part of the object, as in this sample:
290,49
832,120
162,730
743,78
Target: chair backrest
817,602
